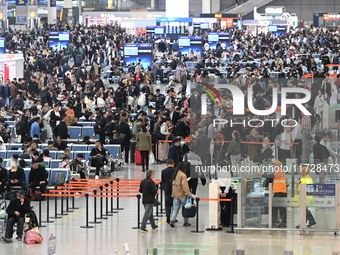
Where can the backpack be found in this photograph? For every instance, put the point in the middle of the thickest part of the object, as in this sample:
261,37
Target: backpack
59,179
141,99
97,128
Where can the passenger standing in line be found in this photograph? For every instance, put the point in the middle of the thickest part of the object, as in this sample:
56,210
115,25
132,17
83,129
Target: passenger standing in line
166,185
149,189
173,151
180,192
234,149
144,145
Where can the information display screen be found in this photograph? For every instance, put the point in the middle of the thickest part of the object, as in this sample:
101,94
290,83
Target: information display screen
2,45
214,38
190,44
58,40
138,53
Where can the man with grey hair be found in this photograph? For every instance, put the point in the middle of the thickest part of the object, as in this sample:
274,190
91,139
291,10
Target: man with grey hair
149,189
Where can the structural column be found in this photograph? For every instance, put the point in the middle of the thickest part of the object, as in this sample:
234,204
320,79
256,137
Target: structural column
177,8
52,12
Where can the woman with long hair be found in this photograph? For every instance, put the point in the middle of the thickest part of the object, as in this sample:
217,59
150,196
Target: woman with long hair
144,145
180,192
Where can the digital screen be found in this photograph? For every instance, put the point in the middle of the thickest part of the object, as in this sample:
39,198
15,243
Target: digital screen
183,42
2,45
214,38
205,26
21,19
138,53
272,28
190,44
58,40
159,30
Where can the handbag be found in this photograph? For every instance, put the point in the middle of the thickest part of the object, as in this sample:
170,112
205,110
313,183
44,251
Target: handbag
151,158
32,237
189,213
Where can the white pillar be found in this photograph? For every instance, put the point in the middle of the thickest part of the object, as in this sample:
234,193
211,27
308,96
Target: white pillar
52,12
206,6
215,6
153,4
177,8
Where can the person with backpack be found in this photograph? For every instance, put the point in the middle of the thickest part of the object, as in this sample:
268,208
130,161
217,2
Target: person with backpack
16,211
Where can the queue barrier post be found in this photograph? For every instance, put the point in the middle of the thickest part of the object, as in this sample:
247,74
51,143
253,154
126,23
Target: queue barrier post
62,205
67,202
138,212
112,209
40,225
73,204
161,207
101,206
56,209
48,210
231,218
87,212
95,209
197,217
196,252
118,208
107,213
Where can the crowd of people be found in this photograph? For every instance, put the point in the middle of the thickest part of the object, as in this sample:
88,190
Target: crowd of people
148,106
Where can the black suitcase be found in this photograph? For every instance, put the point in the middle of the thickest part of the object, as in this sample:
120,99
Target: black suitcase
132,151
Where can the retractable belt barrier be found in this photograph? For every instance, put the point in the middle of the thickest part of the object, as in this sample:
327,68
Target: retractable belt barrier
105,188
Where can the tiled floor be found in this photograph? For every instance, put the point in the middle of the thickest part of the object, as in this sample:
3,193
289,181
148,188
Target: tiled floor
112,233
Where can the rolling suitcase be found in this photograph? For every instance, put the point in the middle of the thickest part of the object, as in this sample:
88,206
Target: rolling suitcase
138,158
132,151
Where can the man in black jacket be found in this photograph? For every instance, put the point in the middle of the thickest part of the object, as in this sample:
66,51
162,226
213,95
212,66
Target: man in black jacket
124,128
318,151
63,130
38,177
173,151
182,128
149,189
16,210
166,185
98,157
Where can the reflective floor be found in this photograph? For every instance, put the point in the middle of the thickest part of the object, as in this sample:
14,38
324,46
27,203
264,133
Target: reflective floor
117,230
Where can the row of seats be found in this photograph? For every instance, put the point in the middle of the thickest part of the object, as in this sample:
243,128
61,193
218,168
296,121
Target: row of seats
113,149
54,163
52,173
